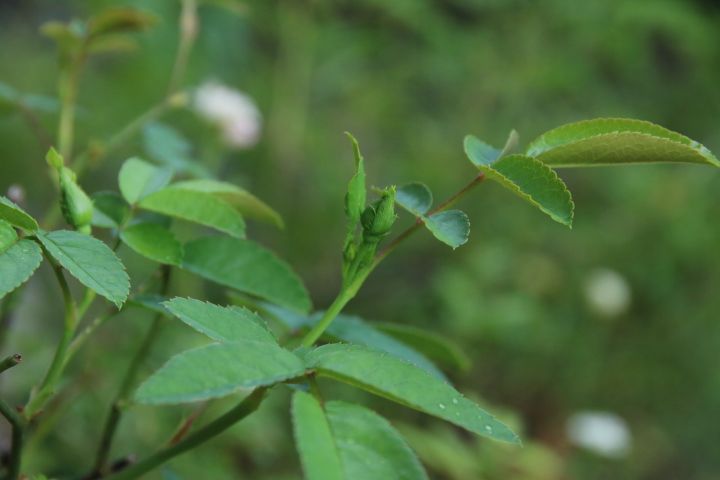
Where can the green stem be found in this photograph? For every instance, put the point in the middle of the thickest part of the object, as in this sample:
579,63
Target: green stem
128,382
188,35
7,311
49,383
10,361
212,429
81,337
18,429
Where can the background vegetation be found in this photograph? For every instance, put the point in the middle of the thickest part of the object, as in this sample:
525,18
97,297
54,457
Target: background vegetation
410,78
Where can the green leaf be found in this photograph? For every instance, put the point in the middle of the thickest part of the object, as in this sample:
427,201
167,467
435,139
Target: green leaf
528,178
167,146
149,301
153,241
198,207
247,267
350,442
15,215
437,348
138,179
452,227
406,384
224,324
17,264
355,330
8,236
612,141
415,197
90,261
110,210
370,448
244,201
217,370
356,191
314,439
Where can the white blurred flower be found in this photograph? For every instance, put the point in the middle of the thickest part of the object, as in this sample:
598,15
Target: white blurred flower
234,112
603,433
607,292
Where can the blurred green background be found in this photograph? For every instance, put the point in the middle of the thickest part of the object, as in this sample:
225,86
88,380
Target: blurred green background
619,315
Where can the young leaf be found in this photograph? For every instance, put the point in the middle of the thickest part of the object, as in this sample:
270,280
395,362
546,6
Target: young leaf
17,264
15,215
452,227
437,348
415,197
244,201
153,241
612,141
138,179
224,324
315,443
247,267
406,384
217,370
350,442
356,192
90,261
110,210
527,177
198,207
8,236
370,448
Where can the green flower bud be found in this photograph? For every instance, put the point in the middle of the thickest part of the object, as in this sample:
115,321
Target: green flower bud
77,208
378,218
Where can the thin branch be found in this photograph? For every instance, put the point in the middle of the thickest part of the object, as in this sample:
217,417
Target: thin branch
212,429
18,428
10,361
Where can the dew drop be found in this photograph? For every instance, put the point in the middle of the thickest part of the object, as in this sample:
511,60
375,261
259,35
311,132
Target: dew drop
488,428
455,401
442,406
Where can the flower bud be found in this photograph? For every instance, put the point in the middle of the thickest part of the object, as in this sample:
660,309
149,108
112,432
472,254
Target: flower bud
76,206
378,218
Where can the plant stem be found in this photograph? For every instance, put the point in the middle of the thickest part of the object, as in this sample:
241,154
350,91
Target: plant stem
128,382
346,294
49,383
18,428
10,361
188,34
212,429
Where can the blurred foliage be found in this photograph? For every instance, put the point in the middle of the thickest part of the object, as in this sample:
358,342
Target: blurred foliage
410,78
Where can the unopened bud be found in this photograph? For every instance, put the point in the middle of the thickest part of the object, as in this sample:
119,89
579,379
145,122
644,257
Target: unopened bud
378,218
